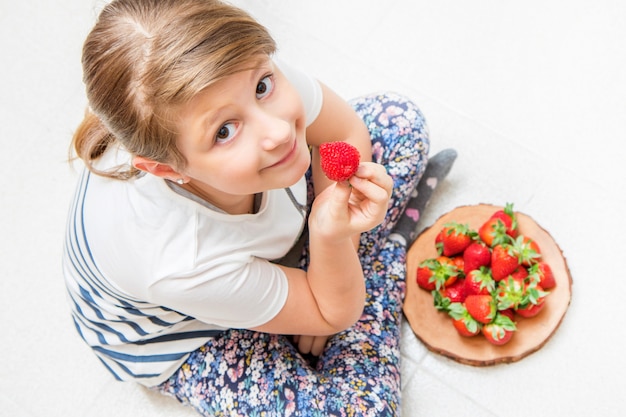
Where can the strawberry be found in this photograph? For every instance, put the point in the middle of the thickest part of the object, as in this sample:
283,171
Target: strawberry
453,238
493,232
462,321
481,307
509,312
435,274
444,298
440,302
507,216
449,271
542,274
479,281
526,250
425,274
466,326
530,310
500,330
339,160
455,292
509,293
477,254
458,262
503,261
533,300
532,244
520,273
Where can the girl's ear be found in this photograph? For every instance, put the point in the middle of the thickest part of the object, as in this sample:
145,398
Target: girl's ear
156,168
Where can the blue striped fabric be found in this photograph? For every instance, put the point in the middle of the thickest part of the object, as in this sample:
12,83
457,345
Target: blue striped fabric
135,340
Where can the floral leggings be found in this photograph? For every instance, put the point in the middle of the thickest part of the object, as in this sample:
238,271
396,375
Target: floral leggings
246,373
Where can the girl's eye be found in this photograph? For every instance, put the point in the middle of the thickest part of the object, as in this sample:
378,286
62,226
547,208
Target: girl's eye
265,86
226,132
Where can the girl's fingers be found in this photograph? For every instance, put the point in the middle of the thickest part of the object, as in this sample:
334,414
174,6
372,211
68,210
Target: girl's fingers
339,199
376,174
373,183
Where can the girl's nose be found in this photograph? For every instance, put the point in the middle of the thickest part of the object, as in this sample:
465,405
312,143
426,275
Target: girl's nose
274,131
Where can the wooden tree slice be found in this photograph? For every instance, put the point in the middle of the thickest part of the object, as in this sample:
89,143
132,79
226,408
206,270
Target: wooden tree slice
435,328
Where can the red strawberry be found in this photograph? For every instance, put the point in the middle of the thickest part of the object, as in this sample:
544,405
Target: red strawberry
466,326
500,330
339,160
493,232
448,273
526,250
453,238
509,293
444,298
542,274
458,262
479,281
475,256
520,273
503,262
507,215
440,302
436,274
425,274
462,321
533,300
481,307
532,244
510,313
530,310
455,292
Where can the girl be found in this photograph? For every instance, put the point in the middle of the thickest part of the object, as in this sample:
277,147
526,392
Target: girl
203,173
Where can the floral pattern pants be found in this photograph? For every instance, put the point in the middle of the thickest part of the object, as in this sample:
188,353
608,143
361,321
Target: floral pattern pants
246,373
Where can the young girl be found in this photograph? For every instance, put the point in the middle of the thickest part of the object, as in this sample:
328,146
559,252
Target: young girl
203,182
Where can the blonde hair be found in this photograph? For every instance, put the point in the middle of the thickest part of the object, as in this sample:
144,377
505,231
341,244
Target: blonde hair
143,58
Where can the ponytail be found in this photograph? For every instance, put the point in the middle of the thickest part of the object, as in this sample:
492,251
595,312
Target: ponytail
91,140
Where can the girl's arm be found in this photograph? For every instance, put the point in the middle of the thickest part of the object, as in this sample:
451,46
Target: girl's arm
329,296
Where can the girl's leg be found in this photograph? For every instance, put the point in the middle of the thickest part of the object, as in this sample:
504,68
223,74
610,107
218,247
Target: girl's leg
369,350
401,143
245,373
438,167
249,373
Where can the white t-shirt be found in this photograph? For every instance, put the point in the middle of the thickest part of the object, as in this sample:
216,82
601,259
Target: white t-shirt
152,272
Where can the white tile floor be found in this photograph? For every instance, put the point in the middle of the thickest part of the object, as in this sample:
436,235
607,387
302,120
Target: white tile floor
532,94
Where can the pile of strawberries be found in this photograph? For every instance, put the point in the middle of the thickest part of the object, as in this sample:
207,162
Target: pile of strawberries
483,279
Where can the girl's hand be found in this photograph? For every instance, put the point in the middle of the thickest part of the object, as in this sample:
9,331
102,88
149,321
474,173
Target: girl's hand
311,344
371,191
348,208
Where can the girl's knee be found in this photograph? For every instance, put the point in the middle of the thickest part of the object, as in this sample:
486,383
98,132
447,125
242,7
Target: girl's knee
404,112
393,117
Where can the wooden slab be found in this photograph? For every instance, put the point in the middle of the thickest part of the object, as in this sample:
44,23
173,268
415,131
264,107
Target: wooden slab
435,329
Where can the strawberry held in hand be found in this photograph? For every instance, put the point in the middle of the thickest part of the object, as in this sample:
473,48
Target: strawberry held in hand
339,160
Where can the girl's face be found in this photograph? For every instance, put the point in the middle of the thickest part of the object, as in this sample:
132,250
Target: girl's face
243,135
